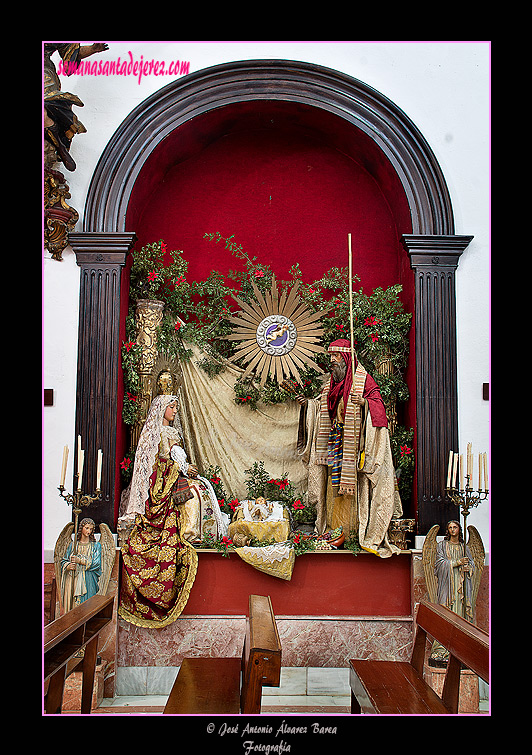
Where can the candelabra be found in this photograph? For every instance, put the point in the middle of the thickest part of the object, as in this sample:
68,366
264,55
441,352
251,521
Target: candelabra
77,499
464,495
459,488
466,498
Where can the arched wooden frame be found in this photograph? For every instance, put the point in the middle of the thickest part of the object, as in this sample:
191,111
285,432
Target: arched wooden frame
432,247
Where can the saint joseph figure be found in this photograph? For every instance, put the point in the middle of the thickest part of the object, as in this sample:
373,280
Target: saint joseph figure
344,441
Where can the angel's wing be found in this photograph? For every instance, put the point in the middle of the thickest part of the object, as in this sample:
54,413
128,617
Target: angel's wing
429,559
478,553
61,546
107,542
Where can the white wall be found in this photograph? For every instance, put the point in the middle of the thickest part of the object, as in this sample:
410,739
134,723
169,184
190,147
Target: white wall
60,354
443,87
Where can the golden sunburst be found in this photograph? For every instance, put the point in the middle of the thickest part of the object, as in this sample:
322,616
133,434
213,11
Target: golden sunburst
278,335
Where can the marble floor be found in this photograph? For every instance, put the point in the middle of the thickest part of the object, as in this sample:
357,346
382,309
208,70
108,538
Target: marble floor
302,691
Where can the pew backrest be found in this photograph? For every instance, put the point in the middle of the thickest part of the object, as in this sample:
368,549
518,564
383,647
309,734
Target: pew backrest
465,642
67,634
261,655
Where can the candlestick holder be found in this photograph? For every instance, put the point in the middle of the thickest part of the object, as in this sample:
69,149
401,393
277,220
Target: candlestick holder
466,498
78,500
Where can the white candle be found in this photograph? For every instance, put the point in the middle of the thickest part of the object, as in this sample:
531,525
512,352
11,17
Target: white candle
449,469
479,470
469,464
485,471
99,469
455,468
79,452
64,466
80,468
461,471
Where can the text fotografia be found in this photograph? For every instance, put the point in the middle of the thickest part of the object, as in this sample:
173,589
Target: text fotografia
251,746
127,67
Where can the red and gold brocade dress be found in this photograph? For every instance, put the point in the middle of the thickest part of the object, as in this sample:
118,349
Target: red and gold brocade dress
159,566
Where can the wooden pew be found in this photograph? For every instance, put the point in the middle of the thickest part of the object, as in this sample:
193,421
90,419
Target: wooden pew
50,600
392,687
232,685
64,638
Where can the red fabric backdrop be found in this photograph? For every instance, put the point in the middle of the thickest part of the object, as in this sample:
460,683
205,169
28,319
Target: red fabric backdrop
286,198
287,193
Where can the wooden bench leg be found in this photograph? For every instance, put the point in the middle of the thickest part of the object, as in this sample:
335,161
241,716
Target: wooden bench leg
355,705
451,685
54,698
89,668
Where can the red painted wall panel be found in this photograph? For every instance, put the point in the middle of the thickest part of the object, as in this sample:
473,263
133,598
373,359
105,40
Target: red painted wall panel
323,584
286,199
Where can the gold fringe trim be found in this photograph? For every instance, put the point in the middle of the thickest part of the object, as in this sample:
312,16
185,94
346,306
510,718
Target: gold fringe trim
370,550
281,569
347,491
179,606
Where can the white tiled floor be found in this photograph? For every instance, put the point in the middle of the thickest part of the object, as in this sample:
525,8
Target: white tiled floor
313,690
302,691
309,688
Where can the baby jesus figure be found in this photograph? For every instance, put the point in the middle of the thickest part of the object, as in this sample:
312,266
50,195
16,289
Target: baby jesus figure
260,510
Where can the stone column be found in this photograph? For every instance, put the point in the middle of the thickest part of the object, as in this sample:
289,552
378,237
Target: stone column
101,257
434,260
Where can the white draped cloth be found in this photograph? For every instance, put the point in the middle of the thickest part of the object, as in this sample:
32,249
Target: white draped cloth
220,433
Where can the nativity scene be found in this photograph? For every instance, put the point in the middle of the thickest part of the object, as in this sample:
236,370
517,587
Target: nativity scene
346,480
255,413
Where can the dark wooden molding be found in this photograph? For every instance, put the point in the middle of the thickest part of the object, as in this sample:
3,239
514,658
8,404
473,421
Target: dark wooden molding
218,87
434,260
101,257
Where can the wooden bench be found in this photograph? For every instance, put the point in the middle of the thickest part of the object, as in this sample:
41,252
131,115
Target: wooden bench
392,687
50,600
64,638
232,685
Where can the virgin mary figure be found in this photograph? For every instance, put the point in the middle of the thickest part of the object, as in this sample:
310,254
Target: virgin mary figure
166,505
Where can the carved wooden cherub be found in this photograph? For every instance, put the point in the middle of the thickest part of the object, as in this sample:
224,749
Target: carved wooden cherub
60,123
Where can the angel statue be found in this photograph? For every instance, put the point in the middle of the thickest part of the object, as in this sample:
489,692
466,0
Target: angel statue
60,122
84,570
452,573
